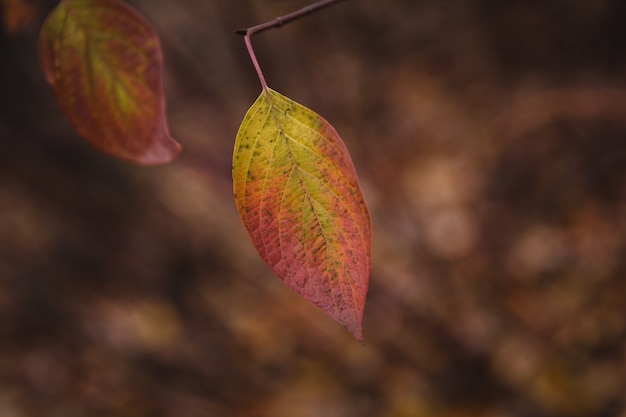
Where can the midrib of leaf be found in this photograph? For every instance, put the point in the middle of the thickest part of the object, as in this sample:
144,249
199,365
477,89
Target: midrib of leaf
329,189
95,53
309,198
320,180
326,185
89,69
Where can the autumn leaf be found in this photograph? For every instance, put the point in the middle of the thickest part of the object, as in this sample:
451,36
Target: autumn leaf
298,196
104,63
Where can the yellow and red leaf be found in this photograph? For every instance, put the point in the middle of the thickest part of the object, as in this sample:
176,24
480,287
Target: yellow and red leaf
298,195
104,63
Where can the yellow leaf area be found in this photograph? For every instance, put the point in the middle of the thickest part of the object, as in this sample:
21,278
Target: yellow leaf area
298,196
104,63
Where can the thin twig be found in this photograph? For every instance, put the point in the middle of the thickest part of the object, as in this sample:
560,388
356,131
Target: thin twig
283,20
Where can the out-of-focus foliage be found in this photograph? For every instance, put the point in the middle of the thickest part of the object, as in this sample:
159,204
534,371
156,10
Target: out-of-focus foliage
105,65
299,199
489,138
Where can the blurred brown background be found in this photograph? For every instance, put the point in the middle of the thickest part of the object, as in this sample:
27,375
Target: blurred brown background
490,139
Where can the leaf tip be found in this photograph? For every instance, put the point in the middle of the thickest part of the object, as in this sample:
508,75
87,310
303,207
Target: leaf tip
354,325
160,152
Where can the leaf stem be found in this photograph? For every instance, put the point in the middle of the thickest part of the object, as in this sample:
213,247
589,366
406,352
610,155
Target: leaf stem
276,23
289,17
255,62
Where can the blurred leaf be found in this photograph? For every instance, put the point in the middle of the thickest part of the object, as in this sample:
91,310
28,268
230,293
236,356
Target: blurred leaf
104,63
298,196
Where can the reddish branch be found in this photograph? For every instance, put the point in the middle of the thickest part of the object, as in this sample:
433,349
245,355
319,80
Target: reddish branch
283,20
